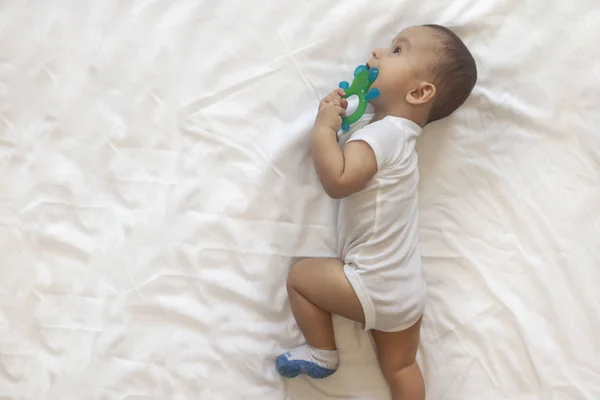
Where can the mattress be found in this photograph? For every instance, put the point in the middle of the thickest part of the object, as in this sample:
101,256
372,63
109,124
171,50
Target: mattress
156,185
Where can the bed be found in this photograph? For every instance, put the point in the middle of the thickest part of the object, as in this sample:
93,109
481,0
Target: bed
156,185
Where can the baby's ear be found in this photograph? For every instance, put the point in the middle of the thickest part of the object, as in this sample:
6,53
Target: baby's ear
422,94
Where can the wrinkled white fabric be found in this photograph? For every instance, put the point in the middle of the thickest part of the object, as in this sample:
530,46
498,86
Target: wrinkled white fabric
156,185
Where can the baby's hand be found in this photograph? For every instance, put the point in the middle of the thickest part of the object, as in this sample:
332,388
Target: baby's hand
331,110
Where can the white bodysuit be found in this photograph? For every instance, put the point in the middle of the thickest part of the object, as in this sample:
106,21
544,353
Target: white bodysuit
377,230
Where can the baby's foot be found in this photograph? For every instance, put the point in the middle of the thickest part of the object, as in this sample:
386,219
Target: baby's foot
306,359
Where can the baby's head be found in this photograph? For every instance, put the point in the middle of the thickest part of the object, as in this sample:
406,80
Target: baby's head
425,75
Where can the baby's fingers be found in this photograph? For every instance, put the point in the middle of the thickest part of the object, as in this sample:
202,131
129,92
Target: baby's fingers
335,96
338,95
331,100
340,110
327,101
340,92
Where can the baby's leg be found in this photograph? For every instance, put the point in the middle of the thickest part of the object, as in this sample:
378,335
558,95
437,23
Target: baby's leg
317,288
397,353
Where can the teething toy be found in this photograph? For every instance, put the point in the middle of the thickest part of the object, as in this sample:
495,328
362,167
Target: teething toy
361,87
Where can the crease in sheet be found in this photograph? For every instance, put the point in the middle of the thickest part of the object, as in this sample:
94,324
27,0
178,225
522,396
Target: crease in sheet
293,59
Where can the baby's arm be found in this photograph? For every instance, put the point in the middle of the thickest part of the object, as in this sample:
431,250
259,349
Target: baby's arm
342,173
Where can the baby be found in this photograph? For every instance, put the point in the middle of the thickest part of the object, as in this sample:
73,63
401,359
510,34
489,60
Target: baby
424,76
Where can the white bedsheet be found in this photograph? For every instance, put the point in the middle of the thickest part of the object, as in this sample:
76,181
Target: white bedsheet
156,185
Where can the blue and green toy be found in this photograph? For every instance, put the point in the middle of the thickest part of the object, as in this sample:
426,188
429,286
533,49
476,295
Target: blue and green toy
361,87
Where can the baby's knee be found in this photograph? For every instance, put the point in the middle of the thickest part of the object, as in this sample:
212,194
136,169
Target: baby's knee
392,366
290,281
407,383
294,276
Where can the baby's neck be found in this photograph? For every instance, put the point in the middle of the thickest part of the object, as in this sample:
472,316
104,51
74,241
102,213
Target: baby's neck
401,112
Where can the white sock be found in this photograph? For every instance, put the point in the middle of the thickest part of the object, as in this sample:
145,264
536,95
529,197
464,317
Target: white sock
308,360
329,359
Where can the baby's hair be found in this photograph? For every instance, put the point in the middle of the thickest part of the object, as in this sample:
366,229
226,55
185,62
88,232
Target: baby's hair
454,74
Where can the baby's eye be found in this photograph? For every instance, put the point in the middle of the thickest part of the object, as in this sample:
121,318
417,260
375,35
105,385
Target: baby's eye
397,50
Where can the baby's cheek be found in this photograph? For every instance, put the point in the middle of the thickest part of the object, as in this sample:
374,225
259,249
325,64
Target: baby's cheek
382,81
377,84
381,85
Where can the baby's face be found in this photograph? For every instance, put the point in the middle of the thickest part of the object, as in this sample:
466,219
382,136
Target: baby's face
404,64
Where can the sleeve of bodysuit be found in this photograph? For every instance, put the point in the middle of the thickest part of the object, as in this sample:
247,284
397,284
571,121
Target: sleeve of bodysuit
386,140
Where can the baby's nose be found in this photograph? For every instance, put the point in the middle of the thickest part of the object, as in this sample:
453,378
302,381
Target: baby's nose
378,53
